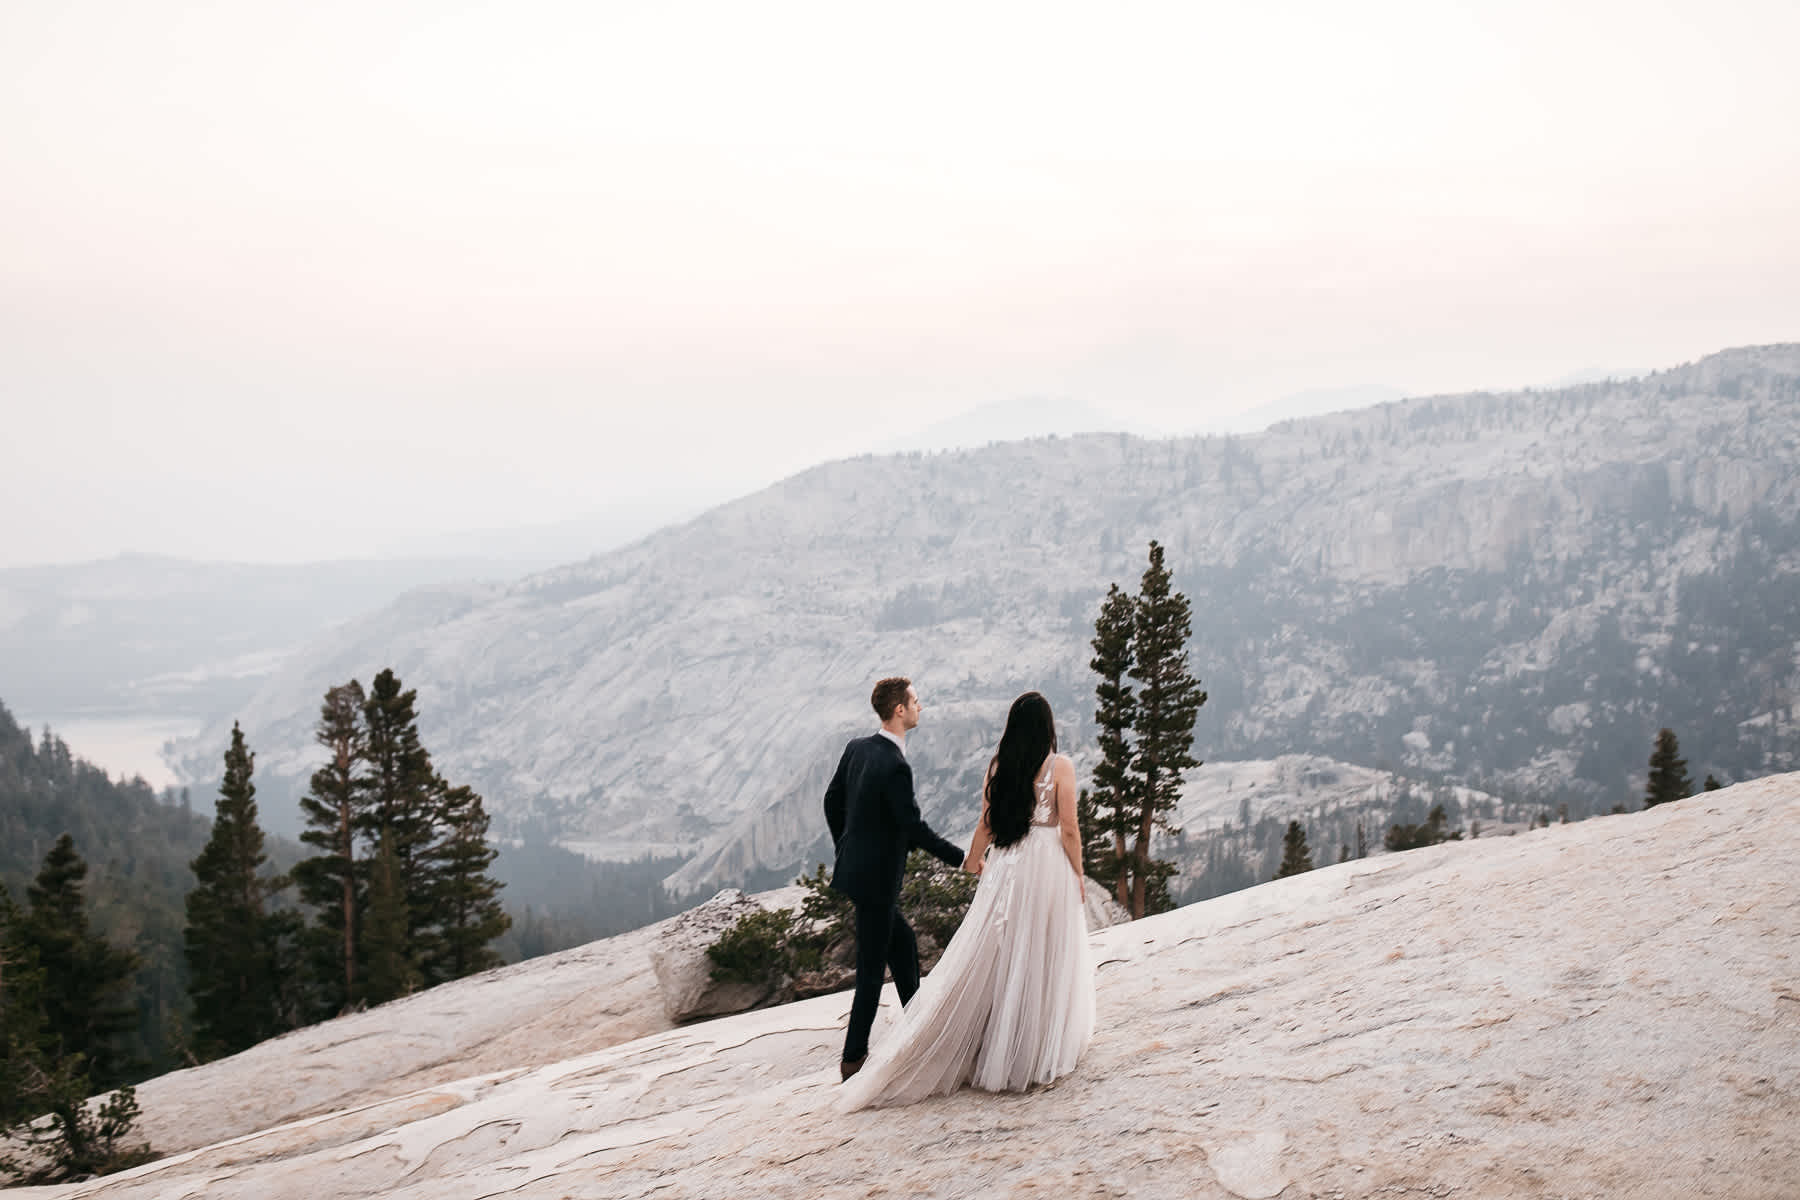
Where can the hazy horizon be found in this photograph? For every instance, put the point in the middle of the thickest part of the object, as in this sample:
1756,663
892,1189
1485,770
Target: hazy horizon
288,282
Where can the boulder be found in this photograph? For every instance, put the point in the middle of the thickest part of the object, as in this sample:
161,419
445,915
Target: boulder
684,973
824,981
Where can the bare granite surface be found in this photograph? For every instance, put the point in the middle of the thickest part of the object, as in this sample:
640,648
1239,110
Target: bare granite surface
1607,1009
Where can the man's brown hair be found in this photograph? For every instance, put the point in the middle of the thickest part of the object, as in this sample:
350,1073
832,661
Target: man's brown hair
888,695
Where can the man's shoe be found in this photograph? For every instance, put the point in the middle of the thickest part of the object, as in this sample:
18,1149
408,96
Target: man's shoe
847,1068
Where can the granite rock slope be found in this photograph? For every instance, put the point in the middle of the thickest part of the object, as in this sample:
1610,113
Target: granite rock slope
1610,1008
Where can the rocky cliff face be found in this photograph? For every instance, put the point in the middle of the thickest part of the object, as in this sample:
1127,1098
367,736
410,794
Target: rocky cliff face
1514,591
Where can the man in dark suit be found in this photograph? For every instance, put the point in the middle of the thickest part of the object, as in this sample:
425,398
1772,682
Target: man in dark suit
874,823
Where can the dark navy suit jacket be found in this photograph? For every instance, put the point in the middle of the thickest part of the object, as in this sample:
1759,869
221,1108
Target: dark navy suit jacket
875,822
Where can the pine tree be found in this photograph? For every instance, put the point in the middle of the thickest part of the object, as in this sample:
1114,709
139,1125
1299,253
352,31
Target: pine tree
1295,857
1711,784
1108,811
73,1140
241,973
1168,702
328,882
24,1033
86,981
400,802
48,1134
391,970
1668,772
463,894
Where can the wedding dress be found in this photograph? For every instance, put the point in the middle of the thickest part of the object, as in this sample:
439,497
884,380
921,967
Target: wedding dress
1011,1002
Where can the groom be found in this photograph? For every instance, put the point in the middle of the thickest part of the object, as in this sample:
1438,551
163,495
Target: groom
874,823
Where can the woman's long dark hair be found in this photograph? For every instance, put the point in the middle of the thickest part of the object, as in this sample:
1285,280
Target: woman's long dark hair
1029,739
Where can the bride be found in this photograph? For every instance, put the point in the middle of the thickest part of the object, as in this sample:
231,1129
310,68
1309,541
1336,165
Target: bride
1011,1003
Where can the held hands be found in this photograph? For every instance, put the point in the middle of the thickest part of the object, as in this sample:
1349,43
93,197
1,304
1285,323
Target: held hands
972,865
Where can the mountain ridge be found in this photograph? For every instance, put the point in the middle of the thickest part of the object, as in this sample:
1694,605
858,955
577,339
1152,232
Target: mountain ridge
1438,583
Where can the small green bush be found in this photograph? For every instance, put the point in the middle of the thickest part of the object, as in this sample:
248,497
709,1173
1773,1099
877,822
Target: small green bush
75,1141
755,950
1414,837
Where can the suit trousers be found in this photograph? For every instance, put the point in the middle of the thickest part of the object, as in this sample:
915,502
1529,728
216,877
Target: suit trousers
883,940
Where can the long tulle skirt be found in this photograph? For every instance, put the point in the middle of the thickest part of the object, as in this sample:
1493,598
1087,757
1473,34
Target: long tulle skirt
1011,1002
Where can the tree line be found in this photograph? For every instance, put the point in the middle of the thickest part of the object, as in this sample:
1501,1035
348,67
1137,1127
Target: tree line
137,847
1666,781
398,896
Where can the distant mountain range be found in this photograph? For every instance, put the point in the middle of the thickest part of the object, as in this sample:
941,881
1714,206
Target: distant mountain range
152,636
160,640
143,633
1508,591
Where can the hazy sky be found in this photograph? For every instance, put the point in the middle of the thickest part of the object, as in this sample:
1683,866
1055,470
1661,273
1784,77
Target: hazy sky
285,280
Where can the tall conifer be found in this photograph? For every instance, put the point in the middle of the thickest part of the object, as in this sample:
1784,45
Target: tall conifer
1168,702
86,981
1108,810
391,968
1295,856
24,1036
401,799
48,1132
239,954
329,881
464,895
1668,772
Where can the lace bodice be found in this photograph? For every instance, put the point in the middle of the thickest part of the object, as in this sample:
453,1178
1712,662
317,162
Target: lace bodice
1044,811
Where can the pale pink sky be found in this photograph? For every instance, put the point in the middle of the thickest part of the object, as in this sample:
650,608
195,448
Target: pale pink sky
285,280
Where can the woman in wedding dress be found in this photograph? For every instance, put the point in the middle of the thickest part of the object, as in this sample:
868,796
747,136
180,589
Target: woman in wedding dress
1011,1002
